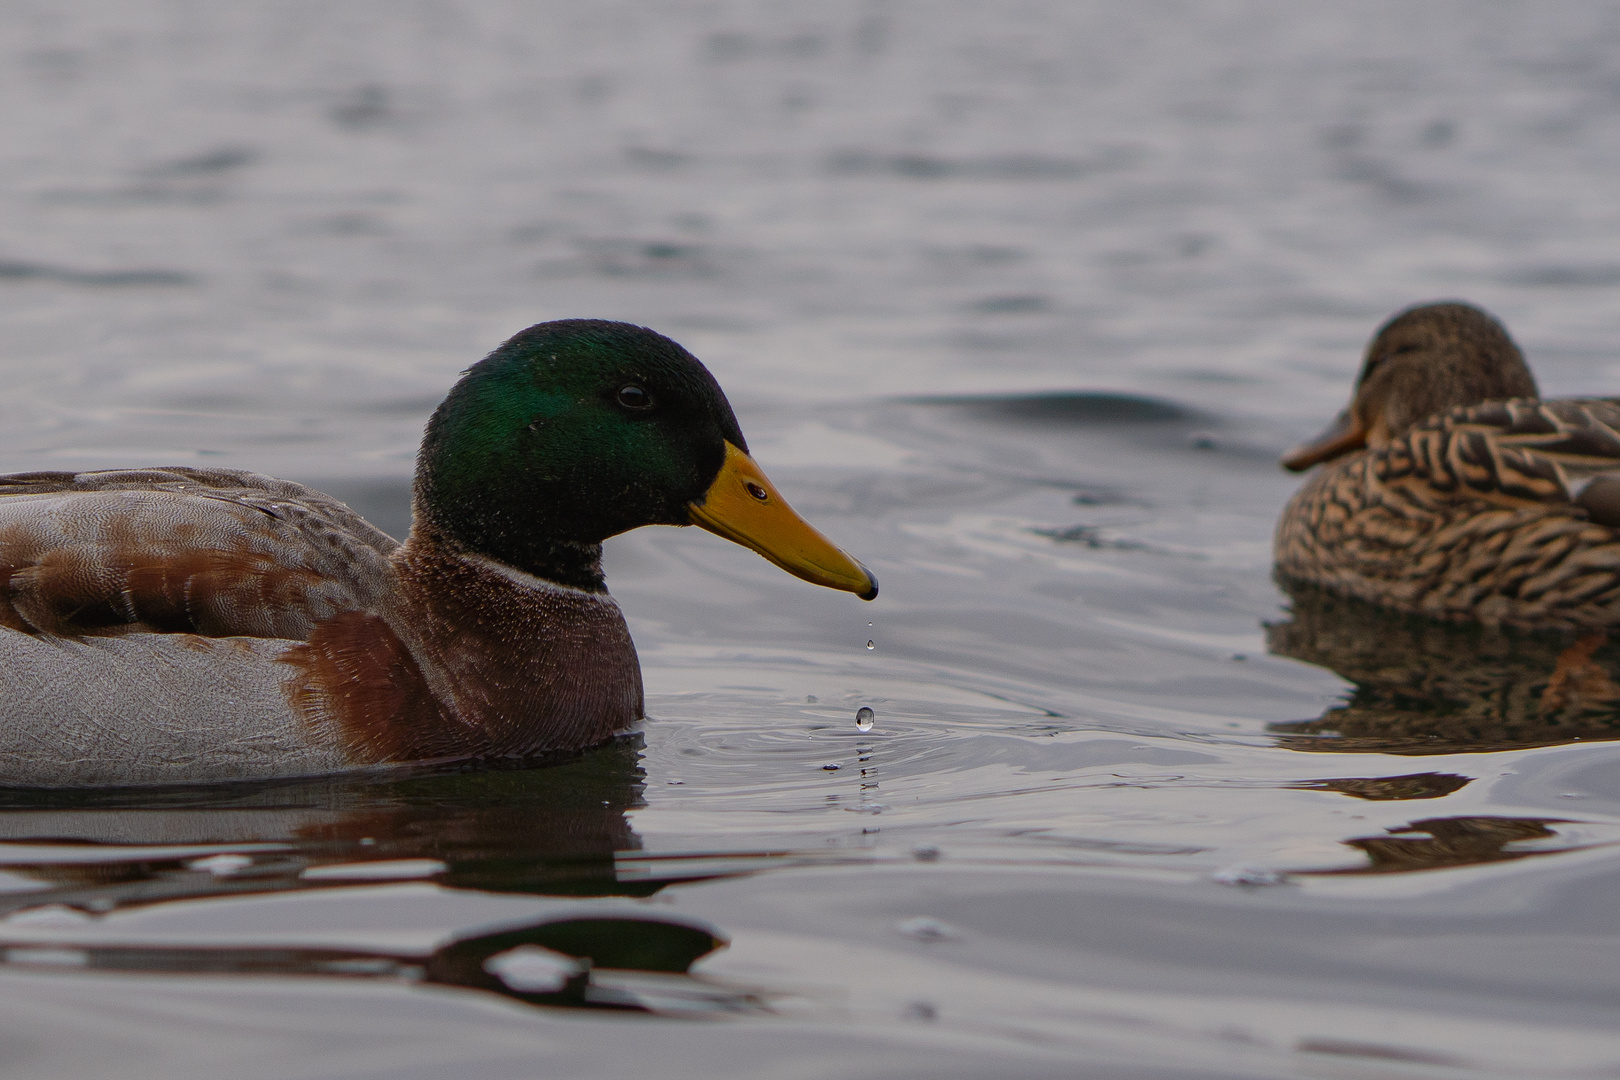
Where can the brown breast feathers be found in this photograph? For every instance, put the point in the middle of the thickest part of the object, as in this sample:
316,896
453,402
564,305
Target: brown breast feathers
476,661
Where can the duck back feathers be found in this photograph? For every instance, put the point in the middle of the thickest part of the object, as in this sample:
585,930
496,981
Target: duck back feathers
216,552
1501,513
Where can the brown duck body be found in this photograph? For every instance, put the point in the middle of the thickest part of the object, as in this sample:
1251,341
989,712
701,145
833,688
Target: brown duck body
181,624
1480,514
1501,512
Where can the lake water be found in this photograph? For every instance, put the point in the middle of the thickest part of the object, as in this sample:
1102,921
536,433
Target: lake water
1019,302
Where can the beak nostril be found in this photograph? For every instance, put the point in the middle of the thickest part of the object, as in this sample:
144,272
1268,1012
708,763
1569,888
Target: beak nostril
742,506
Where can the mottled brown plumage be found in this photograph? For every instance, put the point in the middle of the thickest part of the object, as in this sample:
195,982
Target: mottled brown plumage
1495,511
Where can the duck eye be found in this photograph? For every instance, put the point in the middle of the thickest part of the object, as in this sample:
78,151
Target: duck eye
634,397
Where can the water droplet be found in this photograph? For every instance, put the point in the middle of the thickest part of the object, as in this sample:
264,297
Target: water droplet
870,645
864,719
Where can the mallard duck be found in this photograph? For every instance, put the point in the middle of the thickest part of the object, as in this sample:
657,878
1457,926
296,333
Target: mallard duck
186,625
1448,489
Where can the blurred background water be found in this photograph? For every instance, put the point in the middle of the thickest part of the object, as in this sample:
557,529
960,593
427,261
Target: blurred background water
1019,301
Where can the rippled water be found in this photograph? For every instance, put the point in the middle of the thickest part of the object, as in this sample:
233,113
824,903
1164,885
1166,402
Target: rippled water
1017,301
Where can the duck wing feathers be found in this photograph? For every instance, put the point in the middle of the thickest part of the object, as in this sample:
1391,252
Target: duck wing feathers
1515,453
214,552
1503,513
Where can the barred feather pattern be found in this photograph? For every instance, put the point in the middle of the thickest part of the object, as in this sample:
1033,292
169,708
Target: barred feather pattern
1472,515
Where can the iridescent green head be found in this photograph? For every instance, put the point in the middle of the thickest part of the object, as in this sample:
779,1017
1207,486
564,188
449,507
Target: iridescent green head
577,430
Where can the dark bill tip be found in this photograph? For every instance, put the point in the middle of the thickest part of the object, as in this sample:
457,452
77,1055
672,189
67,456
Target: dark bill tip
870,594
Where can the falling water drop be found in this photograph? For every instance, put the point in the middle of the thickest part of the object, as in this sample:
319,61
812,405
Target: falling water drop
864,718
870,645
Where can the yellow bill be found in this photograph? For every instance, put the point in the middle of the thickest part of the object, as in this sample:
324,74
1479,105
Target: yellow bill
745,508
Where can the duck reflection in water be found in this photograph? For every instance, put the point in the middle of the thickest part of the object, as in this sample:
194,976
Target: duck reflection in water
1427,687
633,964
559,832
1442,843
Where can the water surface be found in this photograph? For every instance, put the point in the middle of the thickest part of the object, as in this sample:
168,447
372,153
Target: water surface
1019,302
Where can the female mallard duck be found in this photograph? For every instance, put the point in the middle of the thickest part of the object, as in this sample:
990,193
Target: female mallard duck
168,625
1453,492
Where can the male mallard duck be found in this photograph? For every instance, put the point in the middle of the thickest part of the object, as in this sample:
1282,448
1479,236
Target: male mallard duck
1453,492
167,625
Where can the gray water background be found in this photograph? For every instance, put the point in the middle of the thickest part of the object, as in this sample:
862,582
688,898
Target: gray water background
269,235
